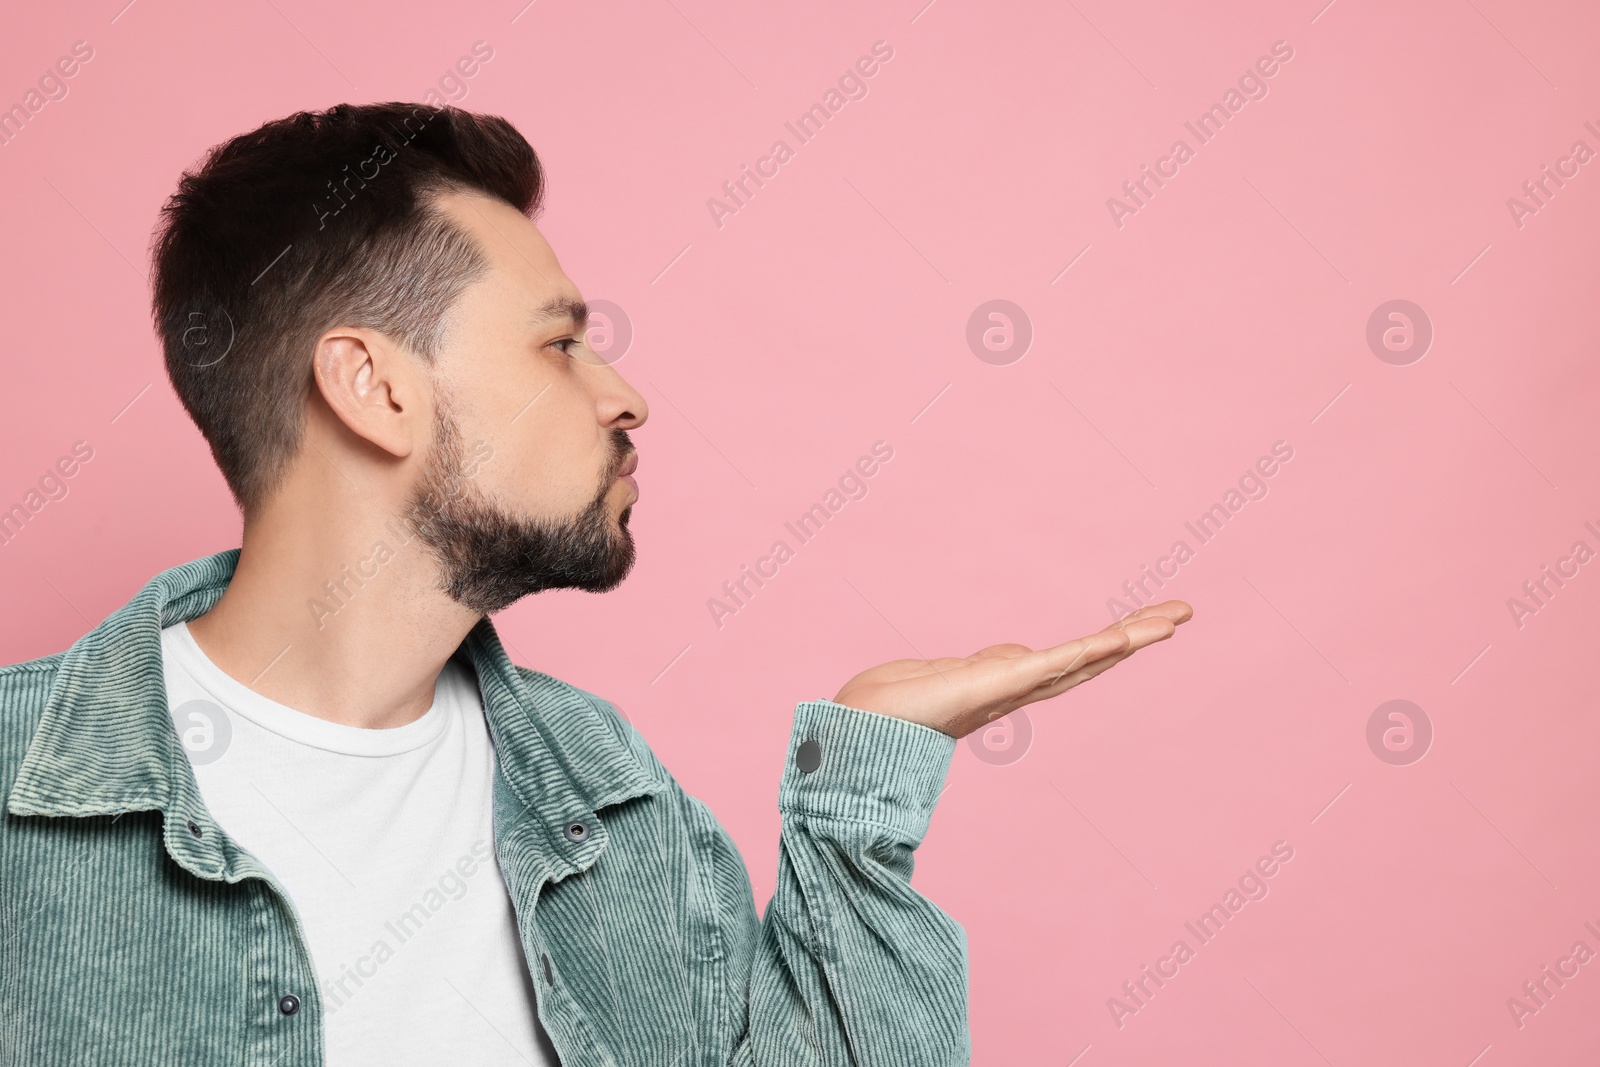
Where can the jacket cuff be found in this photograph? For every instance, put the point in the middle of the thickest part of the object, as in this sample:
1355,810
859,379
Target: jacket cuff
867,767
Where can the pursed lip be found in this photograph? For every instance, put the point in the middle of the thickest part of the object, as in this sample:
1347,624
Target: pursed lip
629,465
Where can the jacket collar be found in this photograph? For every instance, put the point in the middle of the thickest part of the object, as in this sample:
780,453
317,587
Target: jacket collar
106,744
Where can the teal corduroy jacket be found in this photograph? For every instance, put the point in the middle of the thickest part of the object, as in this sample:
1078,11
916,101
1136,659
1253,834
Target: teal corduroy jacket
133,931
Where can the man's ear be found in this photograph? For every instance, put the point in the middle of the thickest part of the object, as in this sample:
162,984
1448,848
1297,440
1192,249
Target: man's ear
372,386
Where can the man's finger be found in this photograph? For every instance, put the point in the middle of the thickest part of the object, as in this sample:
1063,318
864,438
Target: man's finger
1076,678
1140,634
1038,668
1149,635
1147,631
1177,611
1009,649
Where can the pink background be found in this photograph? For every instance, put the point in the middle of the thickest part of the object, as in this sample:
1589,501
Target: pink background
832,308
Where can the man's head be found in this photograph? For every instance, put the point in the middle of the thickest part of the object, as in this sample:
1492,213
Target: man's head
364,289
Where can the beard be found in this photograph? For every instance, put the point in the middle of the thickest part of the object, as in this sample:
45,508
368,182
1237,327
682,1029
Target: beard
490,558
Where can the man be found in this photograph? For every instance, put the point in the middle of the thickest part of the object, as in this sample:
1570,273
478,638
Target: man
294,805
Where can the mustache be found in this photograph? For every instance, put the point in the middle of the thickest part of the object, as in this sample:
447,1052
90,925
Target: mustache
621,445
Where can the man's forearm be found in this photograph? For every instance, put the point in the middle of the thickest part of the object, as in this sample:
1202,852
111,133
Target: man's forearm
853,965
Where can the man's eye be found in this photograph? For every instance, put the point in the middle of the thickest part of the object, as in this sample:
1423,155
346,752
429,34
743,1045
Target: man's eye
578,348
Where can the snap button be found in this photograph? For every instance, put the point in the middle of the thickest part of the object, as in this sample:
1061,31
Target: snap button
808,757
194,828
576,831
549,978
288,1004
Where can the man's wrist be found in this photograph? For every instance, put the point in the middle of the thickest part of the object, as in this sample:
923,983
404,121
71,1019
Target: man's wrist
850,764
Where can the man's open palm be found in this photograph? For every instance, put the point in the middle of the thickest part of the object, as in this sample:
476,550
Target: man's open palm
958,696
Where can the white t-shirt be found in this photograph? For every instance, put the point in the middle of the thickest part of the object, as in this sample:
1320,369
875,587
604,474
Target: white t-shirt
383,840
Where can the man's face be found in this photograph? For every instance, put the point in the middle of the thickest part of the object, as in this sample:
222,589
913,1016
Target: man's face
521,490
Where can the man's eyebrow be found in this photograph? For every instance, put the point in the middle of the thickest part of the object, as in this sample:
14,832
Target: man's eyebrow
557,308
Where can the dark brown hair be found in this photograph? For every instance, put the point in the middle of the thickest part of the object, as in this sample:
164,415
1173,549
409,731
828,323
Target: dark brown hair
321,219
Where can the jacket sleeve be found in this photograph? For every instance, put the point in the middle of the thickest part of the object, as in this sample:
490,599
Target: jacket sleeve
850,965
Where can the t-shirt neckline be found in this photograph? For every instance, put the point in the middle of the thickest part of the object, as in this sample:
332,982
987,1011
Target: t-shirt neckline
303,727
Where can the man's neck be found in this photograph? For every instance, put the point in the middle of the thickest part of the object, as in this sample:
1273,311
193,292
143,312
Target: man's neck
343,620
